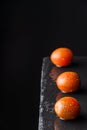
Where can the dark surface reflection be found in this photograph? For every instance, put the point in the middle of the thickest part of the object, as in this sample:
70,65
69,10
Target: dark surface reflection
55,71
76,124
60,95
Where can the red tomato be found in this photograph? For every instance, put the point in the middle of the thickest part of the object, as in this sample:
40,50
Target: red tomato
68,81
61,56
67,108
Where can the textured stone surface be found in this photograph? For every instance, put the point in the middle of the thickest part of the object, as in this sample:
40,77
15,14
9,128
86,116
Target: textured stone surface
49,94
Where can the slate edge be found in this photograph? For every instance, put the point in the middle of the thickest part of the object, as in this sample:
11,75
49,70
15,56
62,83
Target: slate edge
42,88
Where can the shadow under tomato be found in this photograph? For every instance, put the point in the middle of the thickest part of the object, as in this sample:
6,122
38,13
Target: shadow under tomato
75,124
81,90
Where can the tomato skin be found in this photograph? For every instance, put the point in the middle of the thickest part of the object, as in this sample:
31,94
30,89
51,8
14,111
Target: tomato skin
68,81
61,56
67,108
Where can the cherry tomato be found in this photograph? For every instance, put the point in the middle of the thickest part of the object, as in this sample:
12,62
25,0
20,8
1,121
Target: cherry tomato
61,56
67,108
68,81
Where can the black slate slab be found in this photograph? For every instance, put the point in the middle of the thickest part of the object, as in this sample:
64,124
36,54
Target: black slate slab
50,93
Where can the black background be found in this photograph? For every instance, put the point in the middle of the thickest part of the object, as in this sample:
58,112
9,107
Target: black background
31,30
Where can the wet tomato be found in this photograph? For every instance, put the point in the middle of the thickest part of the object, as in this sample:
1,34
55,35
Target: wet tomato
68,81
67,108
61,56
